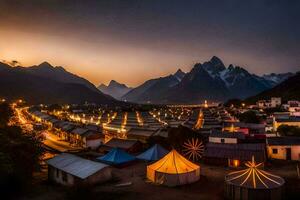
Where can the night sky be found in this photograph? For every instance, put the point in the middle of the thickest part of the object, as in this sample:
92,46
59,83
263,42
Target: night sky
134,40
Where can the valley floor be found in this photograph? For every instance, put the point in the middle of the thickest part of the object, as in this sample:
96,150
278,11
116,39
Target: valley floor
210,185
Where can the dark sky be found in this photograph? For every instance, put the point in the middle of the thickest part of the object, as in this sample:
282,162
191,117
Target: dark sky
134,40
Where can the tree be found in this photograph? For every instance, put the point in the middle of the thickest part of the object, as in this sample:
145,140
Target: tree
234,102
19,155
249,117
285,130
269,111
5,114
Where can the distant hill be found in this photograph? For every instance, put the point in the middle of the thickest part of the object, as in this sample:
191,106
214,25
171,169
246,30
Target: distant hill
47,84
58,73
211,80
287,90
114,89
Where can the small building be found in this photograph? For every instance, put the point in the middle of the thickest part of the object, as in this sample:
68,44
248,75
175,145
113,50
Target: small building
283,148
162,132
65,130
272,103
292,106
130,146
225,137
263,104
92,139
233,155
253,128
86,138
140,134
291,121
275,102
76,135
70,170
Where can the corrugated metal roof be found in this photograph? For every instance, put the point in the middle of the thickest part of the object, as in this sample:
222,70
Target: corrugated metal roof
79,131
142,132
79,167
121,143
236,151
283,141
222,134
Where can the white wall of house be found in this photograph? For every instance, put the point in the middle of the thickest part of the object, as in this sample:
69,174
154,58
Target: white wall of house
61,177
281,152
223,140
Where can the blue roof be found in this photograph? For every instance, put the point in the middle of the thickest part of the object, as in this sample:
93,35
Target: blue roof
156,152
116,156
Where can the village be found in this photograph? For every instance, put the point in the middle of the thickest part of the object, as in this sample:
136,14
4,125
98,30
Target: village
217,150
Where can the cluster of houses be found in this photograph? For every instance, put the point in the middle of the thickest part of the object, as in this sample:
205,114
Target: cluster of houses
232,143
121,129
85,136
272,103
228,142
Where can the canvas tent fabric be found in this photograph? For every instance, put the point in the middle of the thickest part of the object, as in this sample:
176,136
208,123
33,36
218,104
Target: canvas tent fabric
156,152
116,156
172,170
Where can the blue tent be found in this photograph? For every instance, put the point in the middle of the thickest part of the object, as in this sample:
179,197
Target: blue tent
156,152
116,156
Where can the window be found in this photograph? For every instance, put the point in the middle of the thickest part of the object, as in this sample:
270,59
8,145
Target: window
274,151
222,140
57,173
64,176
233,163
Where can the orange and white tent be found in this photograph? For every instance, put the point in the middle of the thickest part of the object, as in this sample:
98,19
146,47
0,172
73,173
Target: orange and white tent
173,169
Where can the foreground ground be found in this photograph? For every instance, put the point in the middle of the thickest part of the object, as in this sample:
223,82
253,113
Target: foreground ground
210,185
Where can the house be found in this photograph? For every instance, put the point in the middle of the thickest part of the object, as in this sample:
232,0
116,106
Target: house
291,121
263,104
86,138
92,139
71,170
140,134
233,155
284,148
292,106
225,137
275,102
253,128
130,146
272,103
76,136
162,132
66,129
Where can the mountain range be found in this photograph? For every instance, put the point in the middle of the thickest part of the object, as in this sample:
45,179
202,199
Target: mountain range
47,84
287,90
211,80
114,89
152,90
